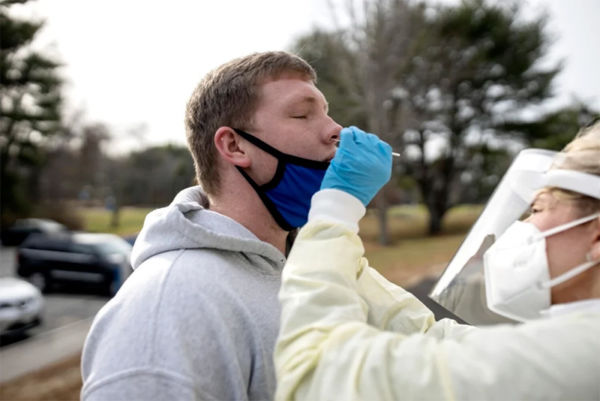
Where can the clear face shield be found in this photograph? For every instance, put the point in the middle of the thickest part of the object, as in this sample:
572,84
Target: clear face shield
462,287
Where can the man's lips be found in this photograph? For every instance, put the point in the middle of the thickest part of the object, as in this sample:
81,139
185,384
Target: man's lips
330,157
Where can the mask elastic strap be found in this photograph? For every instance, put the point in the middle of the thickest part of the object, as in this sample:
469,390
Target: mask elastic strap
314,164
281,221
570,274
260,144
566,226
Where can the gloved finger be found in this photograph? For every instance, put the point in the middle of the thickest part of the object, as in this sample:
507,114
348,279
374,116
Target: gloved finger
381,147
386,148
358,134
346,137
373,139
345,147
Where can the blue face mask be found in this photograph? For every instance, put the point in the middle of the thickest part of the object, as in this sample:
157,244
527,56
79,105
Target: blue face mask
287,196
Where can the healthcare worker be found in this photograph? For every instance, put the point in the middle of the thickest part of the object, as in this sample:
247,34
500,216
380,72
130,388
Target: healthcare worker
348,334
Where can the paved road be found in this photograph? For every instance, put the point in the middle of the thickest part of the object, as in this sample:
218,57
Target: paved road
7,261
43,349
60,309
65,322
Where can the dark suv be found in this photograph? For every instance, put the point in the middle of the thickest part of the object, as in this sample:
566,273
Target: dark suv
83,259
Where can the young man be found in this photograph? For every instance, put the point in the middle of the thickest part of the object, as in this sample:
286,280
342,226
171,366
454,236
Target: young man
199,316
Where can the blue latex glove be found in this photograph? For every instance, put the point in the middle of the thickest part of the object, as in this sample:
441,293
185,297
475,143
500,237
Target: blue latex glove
361,166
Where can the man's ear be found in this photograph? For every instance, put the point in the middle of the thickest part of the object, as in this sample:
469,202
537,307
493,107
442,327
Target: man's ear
228,145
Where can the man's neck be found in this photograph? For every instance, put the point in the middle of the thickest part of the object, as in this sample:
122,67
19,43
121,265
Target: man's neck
253,215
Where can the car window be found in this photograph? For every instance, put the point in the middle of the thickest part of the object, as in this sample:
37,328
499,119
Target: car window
40,242
59,246
49,243
82,248
23,224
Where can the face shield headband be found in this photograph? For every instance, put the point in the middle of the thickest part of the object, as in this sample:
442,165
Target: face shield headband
287,195
527,183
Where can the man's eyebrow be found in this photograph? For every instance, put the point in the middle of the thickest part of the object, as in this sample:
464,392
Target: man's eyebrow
310,99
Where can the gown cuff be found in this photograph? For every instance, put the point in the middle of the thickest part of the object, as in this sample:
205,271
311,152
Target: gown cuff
336,206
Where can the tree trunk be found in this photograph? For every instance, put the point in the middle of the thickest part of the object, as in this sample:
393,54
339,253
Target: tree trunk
436,214
382,207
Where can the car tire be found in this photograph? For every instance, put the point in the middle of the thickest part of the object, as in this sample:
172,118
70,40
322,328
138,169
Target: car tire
39,280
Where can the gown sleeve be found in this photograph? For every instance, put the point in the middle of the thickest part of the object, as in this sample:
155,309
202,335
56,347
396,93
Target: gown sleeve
346,333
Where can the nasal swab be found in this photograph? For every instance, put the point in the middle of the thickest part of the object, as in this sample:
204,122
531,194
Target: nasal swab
395,154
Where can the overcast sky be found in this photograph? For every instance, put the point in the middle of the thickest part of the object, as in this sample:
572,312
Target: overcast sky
134,63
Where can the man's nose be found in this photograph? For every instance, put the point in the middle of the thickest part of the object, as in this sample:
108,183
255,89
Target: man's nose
333,131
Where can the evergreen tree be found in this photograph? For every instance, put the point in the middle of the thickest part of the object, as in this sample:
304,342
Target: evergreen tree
30,110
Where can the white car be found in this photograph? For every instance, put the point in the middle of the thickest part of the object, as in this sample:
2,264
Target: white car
21,306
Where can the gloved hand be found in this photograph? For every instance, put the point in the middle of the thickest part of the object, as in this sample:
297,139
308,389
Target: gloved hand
361,166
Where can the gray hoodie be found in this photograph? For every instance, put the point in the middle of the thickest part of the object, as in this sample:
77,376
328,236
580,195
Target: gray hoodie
198,317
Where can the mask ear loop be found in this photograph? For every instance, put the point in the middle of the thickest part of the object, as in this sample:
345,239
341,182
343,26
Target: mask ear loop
565,227
576,270
570,274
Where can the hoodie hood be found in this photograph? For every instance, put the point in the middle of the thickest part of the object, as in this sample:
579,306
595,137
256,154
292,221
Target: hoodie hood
187,224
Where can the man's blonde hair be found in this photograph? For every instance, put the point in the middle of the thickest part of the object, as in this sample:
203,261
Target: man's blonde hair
228,96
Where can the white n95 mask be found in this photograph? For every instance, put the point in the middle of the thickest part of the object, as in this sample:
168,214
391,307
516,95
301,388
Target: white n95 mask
517,279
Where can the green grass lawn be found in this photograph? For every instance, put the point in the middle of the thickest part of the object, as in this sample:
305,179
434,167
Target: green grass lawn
410,221
97,219
412,259
412,254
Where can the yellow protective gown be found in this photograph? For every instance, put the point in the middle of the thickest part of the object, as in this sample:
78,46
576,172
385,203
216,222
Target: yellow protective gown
348,334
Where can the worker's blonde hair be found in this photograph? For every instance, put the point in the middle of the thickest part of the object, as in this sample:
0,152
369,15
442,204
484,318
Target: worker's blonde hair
581,154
